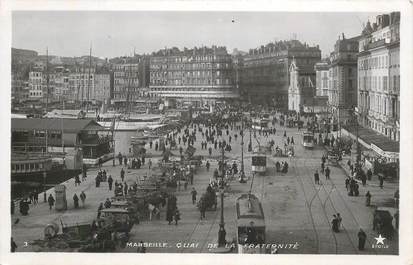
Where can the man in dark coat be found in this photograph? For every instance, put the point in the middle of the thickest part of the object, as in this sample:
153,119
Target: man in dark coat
125,189
327,172
75,201
316,177
193,195
334,223
51,201
120,158
122,174
362,239
110,182
169,215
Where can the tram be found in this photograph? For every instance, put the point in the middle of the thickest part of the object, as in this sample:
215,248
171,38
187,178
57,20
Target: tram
308,139
250,224
259,163
260,123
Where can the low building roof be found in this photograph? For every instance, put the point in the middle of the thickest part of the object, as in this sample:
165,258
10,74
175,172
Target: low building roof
67,125
372,137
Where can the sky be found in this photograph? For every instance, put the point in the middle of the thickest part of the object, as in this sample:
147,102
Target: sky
119,33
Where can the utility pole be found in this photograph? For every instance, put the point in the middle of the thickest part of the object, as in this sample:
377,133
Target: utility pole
358,157
221,232
242,149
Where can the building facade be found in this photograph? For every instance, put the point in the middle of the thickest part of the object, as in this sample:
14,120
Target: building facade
81,84
266,70
302,89
125,82
322,74
199,75
36,84
379,76
102,92
342,92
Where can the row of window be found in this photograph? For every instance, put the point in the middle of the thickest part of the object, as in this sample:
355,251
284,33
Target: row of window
27,167
380,62
192,81
380,104
36,93
379,83
191,66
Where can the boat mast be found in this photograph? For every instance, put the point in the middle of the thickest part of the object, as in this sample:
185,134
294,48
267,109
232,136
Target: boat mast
83,85
88,80
47,78
47,94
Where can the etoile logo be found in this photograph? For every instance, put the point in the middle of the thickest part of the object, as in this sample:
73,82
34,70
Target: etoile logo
379,242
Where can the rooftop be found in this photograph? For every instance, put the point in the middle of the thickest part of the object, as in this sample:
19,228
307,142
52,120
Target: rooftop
67,125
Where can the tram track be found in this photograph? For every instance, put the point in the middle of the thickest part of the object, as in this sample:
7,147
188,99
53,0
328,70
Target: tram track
348,210
328,198
307,203
334,207
310,204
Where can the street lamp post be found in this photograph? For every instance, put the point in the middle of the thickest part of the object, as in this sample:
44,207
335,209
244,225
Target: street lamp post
358,158
242,150
221,231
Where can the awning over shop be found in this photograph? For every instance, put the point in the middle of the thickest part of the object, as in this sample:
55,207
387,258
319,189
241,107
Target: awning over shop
380,144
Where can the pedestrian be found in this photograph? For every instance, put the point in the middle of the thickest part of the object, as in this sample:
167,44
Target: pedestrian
125,189
75,201
125,161
334,223
110,182
347,182
24,207
169,216
362,239
369,174
339,220
107,203
316,177
97,181
292,140
149,163
122,174
151,207
193,195
327,173
177,216
51,201
368,198
207,165
83,198
322,167
381,179
120,158
99,210
77,180
13,246
36,197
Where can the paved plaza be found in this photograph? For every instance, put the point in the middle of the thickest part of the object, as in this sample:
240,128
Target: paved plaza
297,211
